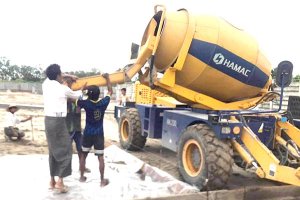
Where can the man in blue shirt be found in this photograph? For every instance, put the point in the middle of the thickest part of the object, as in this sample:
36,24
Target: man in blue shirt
93,134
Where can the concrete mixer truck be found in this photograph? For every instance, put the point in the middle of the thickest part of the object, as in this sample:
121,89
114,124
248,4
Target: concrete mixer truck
197,94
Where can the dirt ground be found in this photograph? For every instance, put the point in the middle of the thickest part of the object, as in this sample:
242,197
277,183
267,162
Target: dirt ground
34,141
153,153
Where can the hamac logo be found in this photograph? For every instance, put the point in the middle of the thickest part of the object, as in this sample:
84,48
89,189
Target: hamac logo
218,58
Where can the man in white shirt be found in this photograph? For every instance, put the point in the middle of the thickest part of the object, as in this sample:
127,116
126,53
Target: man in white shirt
59,143
123,98
11,130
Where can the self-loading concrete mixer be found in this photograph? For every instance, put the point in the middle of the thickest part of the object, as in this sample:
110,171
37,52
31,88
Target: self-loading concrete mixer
204,76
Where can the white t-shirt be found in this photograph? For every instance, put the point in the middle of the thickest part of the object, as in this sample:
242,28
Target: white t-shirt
123,99
55,98
11,119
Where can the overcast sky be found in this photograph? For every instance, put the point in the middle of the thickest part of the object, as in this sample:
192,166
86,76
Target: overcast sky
89,34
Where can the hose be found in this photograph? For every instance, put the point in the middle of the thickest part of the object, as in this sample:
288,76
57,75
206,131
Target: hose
266,96
293,144
290,117
283,159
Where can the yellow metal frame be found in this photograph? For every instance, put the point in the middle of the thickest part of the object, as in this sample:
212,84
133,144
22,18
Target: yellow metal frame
169,75
167,101
268,165
160,26
242,152
289,129
145,95
206,102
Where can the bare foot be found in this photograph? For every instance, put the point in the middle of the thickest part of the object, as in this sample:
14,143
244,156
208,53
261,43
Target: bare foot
82,179
52,185
104,182
61,188
141,174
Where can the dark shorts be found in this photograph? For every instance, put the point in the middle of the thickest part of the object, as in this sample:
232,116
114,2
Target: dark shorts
76,136
93,140
11,132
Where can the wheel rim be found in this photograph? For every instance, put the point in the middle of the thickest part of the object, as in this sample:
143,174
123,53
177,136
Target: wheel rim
125,130
192,157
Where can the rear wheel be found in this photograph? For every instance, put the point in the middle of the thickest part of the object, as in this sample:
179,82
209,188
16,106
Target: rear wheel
203,159
130,130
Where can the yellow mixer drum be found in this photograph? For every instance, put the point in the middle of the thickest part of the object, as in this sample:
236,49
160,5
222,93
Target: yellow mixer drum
221,61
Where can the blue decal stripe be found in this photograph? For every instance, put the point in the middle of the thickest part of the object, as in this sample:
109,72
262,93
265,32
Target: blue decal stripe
228,63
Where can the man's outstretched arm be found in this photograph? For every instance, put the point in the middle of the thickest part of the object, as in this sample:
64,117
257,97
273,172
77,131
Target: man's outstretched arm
108,83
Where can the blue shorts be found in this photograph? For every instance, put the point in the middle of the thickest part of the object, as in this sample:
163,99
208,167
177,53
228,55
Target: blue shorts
77,137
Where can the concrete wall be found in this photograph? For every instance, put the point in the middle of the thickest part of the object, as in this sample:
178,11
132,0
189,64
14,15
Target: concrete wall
292,90
24,87
37,88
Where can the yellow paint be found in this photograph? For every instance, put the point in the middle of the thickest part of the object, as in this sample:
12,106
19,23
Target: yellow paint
145,95
298,172
199,100
167,101
124,130
292,131
160,26
186,44
260,173
189,148
242,152
268,161
169,78
281,141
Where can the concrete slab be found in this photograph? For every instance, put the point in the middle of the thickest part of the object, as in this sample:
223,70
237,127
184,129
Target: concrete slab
27,177
285,192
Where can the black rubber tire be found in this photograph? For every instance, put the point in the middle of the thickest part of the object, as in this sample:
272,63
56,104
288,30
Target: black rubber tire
134,140
216,167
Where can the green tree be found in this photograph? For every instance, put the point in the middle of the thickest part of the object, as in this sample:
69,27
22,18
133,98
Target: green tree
13,72
31,74
4,65
296,78
273,73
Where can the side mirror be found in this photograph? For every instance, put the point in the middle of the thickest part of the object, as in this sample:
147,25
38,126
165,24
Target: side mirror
284,74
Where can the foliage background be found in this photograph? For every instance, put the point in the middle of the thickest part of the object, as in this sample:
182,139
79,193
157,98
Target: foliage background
24,73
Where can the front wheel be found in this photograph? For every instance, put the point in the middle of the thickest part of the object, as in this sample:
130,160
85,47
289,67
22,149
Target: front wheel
130,133
203,159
